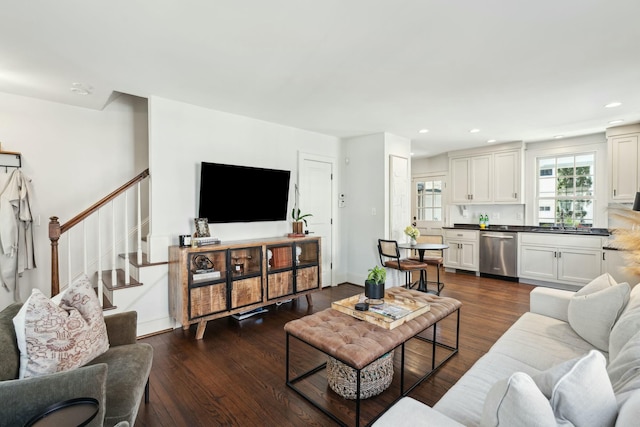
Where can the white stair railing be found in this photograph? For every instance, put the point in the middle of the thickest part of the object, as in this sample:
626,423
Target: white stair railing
89,259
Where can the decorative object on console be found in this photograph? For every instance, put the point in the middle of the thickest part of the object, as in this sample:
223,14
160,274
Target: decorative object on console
412,232
298,220
374,285
202,227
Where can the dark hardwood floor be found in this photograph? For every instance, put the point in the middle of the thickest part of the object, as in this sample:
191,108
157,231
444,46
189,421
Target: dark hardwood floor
235,376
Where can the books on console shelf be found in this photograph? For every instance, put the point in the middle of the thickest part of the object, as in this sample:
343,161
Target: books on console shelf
200,275
246,314
203,241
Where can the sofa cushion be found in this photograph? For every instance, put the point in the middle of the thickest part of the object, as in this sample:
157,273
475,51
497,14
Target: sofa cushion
627,325
129,367
594,309
624,370
629,412
408,412
53,337
517,401
9,354
541,342
579,391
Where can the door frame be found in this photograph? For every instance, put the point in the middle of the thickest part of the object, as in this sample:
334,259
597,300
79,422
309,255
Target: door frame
302,156
445,197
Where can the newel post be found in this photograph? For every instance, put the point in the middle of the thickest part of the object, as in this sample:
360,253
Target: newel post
54,235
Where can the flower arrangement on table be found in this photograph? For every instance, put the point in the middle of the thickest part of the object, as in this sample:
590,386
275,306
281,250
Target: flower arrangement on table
412,232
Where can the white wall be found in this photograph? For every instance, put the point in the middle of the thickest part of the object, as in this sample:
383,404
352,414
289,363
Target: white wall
366,187
74,157
183,135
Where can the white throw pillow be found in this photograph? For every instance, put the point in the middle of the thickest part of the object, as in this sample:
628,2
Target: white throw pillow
54,337
594,309
516,401
627,325
579,391
624,370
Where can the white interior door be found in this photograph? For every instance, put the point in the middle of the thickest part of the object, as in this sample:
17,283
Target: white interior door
316,196
429,203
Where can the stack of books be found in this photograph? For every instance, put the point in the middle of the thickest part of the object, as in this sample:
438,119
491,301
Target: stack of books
208,274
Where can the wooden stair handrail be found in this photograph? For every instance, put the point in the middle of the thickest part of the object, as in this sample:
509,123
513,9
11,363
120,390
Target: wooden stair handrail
56,230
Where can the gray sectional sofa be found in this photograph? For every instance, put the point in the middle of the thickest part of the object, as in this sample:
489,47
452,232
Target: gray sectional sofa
573,359
117,379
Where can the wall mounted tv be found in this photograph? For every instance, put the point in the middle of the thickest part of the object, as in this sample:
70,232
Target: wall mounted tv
230,193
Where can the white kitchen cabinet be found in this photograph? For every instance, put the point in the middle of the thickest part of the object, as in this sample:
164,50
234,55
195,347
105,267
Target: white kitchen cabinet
463,249
559,258
494,177
624,164
507,177
471,179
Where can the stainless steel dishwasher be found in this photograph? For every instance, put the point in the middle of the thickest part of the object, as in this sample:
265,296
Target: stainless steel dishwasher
499,253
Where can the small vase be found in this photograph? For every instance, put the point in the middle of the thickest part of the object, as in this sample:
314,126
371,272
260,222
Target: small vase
413,241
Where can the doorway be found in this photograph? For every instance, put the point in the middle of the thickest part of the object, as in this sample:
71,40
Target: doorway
316,198
428,203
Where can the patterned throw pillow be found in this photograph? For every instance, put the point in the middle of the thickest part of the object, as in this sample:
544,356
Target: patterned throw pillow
58,337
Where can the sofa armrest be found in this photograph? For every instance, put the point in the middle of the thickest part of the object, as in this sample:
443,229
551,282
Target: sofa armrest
23,399
408,412
122,328
550,302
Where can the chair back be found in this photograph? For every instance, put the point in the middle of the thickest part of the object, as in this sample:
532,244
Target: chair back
431,238
388,249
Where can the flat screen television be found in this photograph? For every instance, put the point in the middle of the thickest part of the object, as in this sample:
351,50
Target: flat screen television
230,193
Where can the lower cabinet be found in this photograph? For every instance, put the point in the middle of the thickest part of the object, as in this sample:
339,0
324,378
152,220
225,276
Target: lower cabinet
214,281
560,258
463,249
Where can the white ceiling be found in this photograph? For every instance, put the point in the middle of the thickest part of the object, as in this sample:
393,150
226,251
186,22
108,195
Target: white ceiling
518,70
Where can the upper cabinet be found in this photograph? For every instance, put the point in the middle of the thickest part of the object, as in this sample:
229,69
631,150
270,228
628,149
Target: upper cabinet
624,162
494,177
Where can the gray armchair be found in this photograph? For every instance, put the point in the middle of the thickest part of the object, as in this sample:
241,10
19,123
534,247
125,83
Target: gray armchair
117,379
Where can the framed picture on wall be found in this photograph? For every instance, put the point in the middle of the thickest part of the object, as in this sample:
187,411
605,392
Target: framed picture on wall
202,227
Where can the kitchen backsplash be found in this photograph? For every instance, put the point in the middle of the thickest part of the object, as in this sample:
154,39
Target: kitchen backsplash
498,214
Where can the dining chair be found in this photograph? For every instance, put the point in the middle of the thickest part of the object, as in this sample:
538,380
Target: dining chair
432,257
390,257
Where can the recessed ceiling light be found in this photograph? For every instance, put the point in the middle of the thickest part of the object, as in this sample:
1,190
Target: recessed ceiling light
615,122
423,130
559,136
613,104
474,131
491,141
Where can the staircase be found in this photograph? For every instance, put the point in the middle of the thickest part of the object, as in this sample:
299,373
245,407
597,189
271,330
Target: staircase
98,243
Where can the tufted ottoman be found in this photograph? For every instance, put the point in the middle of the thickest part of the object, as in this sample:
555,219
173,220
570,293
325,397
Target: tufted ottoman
357,343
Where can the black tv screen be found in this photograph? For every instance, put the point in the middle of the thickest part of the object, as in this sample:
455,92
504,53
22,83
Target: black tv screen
230,193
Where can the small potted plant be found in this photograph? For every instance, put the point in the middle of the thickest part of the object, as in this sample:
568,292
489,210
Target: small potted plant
374,285
298,219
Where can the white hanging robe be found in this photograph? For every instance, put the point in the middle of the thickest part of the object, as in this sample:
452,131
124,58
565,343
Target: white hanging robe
16,231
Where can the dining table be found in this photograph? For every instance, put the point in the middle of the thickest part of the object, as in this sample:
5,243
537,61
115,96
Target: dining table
421,248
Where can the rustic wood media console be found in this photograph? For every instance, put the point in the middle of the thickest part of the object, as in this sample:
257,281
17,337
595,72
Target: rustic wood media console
209,282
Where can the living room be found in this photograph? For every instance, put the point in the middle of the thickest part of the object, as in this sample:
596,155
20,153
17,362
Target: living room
75,153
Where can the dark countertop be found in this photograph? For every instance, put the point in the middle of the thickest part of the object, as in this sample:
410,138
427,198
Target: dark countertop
535,229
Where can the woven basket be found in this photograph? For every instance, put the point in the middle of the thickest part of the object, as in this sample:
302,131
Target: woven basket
374,379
